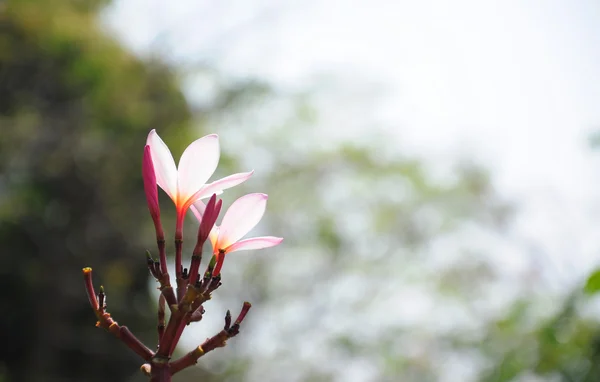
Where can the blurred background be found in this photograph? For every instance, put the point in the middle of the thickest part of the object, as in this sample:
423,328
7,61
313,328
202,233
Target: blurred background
430,164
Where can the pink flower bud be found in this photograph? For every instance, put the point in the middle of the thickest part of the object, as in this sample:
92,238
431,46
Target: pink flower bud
150,187
213,208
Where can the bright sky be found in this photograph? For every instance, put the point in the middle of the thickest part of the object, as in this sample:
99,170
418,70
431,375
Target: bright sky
514,84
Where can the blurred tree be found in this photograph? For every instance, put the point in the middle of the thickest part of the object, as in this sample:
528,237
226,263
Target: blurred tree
371,236
75,109
561,347
360,222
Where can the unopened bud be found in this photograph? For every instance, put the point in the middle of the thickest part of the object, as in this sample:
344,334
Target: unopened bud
150,186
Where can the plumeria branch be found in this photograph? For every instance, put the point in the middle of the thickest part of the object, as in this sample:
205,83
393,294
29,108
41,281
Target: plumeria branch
217,341
158,366
161,316
181,316
105,321
186,185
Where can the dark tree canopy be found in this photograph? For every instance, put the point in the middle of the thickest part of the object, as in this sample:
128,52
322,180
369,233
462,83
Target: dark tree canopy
75,108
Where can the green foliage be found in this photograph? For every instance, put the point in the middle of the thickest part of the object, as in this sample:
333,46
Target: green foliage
592,286
563,346
75,109
372,216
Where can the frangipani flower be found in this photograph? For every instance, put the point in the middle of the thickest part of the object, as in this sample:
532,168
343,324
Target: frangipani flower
186,183
243,215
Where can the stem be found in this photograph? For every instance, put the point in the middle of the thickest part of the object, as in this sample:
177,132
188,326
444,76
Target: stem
217,341
178,242
161,317
165,281
160,371
89,288
194,266
178,267
105,321
160,243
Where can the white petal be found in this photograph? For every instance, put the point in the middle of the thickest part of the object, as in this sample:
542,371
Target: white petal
218,186
198,210
241,217
213,237
164,165
197,164
255,243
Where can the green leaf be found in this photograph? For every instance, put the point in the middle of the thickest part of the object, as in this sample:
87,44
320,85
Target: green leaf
592,286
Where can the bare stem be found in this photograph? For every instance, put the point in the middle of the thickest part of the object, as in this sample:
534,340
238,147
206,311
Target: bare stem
161,316
179,268
216,341
160,371
105,321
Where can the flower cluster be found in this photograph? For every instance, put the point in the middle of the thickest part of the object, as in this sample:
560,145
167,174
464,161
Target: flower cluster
186,184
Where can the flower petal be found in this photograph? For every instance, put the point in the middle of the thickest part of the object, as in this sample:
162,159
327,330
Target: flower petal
198,210
213,237
240,218
218,186
164,165
255,243
197,164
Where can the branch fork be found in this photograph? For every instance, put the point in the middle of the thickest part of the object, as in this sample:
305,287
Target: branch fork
185,305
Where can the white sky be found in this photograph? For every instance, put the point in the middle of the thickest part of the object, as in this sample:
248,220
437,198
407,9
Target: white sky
513,83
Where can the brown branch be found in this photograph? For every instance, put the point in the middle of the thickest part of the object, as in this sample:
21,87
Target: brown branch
162,253
178,267
162,276
89,288
196,315
106,322
158,269
134,343
161,316
167,290
193,298
160,372
178,318
217,341
152,266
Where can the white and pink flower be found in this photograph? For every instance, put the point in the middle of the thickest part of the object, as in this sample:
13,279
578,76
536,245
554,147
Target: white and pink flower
186,183
243,215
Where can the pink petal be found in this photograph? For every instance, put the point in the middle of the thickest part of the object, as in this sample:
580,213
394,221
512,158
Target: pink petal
197,164
218,186
198,210
150,183
240,218
164,165
213,236
255,243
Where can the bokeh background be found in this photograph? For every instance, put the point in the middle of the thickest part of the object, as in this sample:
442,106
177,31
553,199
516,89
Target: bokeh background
431,165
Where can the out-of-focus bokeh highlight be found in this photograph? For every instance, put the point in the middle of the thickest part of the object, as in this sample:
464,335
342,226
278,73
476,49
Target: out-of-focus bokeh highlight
431,165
